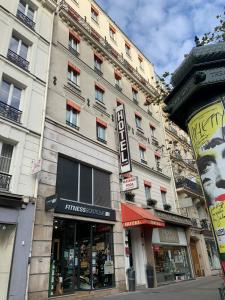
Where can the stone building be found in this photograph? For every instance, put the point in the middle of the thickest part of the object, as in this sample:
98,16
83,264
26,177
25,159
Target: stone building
90,227
26,33
191,202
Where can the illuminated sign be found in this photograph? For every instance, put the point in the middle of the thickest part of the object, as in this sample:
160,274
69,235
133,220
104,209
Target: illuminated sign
125,161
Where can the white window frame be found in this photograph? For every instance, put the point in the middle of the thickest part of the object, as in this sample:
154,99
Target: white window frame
26,11
135,95
163,196
152,129
101,130
98,63
9,100
94,15
147,192
10,164
98,92
112,34
73,76
142,153
138,122
19,46
70,111
73,43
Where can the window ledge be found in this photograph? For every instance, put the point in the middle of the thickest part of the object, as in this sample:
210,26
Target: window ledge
73,125
101,140
144,161
74,86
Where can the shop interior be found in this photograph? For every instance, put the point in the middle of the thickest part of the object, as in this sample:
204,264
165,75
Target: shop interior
82,257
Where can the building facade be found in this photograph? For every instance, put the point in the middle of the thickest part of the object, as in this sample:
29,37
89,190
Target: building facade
191,202
24,61
89,229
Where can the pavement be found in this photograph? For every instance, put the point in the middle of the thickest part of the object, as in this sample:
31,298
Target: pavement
205,288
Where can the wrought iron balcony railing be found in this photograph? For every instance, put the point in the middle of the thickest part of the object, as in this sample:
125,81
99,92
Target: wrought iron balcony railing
183,182
65,7
27,21
4,181
18,60
118,87
73,51
10,112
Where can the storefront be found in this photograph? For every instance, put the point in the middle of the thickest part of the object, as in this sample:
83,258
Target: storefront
15,244
138,224
171,255
82,256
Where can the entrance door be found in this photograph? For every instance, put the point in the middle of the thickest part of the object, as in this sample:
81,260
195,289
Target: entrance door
195,258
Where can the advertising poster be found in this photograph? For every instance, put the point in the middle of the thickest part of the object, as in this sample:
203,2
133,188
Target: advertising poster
207,132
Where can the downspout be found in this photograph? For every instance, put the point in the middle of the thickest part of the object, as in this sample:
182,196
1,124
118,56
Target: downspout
40,152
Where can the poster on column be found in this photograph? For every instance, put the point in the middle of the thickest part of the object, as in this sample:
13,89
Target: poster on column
207,132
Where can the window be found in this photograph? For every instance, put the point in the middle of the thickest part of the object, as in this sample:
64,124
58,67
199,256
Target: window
118,78
26,13
99,92
98,59
73,74
18,47
112,33
157,160
163,195
94,14
74,41
152,131
142,150
101,130
10,94
147,192
72,114
79,182
135,95
6,151
140,59
138,121
127,49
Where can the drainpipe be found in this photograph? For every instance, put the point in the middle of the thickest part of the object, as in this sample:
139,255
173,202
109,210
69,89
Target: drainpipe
40,151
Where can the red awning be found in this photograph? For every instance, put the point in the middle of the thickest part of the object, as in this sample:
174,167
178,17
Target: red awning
132,215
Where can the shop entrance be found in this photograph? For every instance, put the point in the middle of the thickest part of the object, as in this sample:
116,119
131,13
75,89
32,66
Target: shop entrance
194,254
82,257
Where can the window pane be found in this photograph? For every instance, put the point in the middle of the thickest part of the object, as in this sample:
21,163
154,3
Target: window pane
4,93
147,192
98,95
23,51
67,178
30,13
22,6
101,132
14,43
15,101
102,188
85,184
5,158
68,113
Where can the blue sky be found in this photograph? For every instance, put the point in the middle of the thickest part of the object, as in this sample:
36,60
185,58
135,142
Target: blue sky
164,30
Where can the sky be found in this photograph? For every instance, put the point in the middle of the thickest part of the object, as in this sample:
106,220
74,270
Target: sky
164,30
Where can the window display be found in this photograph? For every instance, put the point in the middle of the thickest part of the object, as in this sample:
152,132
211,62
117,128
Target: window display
171,263
82,257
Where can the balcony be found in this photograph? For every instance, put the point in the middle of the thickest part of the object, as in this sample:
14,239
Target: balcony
4,181
188,185
25,20
18,60
10,112
66,10
155,141
72,125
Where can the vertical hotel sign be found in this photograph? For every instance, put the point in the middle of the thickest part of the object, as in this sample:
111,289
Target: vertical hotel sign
207,132
125,161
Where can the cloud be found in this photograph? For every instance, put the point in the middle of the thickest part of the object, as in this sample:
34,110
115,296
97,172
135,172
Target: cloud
164,30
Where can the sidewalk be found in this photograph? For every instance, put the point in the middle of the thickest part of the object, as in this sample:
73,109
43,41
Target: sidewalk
200,289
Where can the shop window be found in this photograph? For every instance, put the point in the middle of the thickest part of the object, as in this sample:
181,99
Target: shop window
171,263
82,183
7,237
82,257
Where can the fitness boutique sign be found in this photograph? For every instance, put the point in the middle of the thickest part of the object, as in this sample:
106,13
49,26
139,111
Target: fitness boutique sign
66,206
125,160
